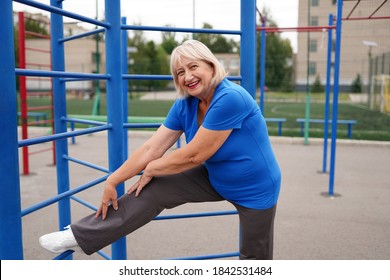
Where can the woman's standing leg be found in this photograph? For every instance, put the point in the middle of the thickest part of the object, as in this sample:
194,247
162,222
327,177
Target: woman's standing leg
93,234
257,233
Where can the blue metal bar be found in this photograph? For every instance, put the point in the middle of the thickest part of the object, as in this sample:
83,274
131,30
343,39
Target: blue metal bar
59,102
85,163
55,9
62,135
82,35
114,103
64,255
72,127
141,125
125,88
63,196
196,215
335,96
262,66
163,77
327,95
83,121
62,74
207,257
68,253
83,202
184,30
146,77
11,241
248,46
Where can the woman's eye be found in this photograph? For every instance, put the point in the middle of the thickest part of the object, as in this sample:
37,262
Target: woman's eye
193,67
180,73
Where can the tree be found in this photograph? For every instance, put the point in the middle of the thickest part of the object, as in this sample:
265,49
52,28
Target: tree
216,42
356,86
317,86
168,41
278,66
149,59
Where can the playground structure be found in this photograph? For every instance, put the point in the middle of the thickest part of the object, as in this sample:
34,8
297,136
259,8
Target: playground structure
116,126
27,111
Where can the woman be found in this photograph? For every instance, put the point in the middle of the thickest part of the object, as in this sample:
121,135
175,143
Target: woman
228,156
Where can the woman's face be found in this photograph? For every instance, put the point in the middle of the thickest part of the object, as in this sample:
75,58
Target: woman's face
194,77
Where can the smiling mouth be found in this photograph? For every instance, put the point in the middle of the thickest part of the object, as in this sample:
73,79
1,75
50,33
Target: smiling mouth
192,85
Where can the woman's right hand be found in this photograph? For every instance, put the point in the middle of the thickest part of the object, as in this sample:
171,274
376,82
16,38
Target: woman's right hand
109,197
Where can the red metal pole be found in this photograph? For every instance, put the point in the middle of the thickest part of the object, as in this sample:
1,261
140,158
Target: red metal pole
23,92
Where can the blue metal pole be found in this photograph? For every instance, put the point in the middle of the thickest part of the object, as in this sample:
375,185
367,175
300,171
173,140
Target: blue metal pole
114,103
11,241
335,96
248,46
60,126
125,88
262,65
327,94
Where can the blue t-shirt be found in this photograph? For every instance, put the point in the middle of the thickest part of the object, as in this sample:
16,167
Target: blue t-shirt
244,169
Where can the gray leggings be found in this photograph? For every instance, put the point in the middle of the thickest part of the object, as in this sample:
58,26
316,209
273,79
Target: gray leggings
165,192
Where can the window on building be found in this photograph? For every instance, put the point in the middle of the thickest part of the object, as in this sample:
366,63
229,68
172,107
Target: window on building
313,45
314,3
334,2
312,68
314,21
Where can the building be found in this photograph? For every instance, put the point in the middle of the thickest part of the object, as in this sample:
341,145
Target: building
365,43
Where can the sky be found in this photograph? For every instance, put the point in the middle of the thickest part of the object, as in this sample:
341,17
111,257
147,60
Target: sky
221,14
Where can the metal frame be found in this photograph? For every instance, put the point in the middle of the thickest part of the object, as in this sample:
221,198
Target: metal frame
11,245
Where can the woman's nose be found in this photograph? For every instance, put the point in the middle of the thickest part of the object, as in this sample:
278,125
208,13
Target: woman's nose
188,76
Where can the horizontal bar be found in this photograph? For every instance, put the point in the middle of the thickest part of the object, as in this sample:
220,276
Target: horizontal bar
63,195
196,215
38,64
146,77
83,121
85,163
85,34
61,74
48,138
83,202
67,253
141,125
38,50
163,77
207,257
176,29
366,18
37,34
63,255
39,108
295,29
62,12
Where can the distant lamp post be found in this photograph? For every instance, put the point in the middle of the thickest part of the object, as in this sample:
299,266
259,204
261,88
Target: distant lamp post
193,16
370,45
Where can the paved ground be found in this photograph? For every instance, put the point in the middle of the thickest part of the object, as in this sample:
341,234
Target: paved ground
309,225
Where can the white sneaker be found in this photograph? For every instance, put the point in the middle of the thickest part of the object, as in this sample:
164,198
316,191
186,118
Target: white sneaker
60,241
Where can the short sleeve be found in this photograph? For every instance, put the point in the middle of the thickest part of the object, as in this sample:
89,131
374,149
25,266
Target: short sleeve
228,111
172,121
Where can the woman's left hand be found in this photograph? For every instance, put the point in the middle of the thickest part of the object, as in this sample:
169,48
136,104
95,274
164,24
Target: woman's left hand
137,187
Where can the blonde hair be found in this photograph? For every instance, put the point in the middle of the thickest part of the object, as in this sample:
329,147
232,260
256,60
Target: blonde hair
195,50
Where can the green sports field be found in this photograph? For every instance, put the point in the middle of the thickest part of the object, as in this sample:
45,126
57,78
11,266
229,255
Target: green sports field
371,125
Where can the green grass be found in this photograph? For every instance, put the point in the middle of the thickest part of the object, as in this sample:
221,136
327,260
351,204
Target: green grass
371,125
